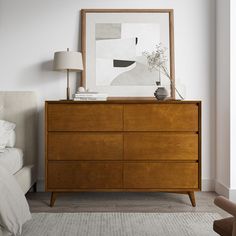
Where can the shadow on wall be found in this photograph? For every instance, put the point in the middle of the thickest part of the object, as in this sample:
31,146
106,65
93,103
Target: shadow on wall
43,74
38,74
47,66
41,128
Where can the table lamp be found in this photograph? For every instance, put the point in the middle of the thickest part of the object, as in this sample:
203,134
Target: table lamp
69,61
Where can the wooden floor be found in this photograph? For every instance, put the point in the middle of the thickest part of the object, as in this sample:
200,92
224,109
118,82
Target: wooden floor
123,202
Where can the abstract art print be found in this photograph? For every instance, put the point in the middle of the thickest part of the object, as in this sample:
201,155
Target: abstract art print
114,44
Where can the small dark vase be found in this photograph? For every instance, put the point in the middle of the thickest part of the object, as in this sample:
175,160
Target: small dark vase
161,93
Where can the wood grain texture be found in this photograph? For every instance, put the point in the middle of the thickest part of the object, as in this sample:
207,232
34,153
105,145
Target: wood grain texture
161,175
200,144
84,174
123,145
128,100
46,144
85,146
172,54
164,117
83,47
85,117
160,146
84,11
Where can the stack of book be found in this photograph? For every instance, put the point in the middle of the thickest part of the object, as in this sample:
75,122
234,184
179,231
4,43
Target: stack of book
90,96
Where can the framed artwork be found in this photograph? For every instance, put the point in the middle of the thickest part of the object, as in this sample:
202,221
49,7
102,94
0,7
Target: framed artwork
115,44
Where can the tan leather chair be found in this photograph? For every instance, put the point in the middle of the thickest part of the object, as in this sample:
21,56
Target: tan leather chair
227,226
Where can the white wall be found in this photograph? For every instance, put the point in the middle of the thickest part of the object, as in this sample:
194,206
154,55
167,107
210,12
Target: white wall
233,95
223,95
31,31
232,193
226,96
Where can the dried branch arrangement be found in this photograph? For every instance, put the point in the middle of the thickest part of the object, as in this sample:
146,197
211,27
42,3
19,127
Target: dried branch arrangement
157,60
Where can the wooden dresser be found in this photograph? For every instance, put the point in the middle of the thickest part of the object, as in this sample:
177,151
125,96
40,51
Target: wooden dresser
123,145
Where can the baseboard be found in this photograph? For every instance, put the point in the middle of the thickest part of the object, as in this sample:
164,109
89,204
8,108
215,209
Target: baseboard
223,190
208,185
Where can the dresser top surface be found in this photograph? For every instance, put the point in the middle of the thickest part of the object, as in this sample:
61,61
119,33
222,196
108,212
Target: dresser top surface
122,100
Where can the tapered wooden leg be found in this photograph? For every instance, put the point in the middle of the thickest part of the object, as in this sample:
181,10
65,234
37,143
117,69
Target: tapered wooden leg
53,199
192,198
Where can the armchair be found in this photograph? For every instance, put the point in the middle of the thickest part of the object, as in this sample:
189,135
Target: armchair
226,226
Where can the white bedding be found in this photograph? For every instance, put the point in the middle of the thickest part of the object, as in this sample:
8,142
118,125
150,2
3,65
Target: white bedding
6,128
14,209
11,159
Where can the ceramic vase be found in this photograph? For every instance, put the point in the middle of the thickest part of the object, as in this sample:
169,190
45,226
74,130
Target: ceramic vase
161,93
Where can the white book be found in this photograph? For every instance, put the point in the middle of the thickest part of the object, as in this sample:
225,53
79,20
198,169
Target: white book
78,95
86,93
90,99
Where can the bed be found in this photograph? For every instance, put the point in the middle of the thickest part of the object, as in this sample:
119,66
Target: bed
12,159
21,109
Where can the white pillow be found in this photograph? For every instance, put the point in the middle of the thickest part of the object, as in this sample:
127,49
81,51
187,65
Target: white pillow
6,128
12,139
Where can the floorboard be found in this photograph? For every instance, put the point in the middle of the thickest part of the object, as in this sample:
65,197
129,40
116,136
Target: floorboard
123,202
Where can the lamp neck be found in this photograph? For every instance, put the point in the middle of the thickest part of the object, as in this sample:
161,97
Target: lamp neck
68,85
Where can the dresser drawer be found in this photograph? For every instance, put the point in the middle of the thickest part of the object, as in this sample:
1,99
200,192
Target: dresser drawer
160,146
161,117
84,175
85,146
84,117
161,175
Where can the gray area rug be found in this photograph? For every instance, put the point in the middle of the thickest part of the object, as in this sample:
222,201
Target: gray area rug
120,224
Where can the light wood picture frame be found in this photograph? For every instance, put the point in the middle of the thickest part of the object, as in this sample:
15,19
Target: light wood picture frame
100,26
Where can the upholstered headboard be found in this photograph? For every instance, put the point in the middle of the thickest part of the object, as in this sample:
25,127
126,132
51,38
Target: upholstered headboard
21,108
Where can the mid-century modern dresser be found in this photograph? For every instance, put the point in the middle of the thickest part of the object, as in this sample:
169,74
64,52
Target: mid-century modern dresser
123,145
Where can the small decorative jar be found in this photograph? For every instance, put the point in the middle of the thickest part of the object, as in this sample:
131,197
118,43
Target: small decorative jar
81,90
161,93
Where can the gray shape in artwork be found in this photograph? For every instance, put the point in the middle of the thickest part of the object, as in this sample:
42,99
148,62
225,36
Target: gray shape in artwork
108,31
122,63
138,76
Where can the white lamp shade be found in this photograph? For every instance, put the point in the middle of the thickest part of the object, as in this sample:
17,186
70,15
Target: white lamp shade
68,60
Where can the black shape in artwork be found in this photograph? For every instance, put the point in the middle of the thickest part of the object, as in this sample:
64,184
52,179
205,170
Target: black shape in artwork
136,40
122,63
